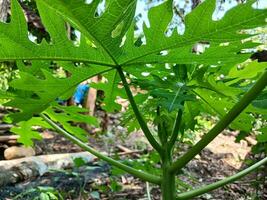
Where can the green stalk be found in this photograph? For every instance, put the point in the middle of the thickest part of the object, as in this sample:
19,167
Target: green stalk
168,178
160,131
138,115
222,124
168,181
213,186
139,174
176,128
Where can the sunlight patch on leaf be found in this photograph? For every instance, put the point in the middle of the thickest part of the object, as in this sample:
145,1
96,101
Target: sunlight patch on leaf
118,30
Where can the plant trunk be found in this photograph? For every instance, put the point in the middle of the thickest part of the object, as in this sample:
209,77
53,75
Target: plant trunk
168,178
168,185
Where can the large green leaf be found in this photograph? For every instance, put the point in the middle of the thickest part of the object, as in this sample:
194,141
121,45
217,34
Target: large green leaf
261,101
223,36
69,117
15,44
44,90
102,36
102,43
106,31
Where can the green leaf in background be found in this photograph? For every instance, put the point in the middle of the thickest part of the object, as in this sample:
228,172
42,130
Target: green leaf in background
69,116
261,101
95,195
170,90
78,162
46,90
26,131
249,71
191,110
263,136
220,106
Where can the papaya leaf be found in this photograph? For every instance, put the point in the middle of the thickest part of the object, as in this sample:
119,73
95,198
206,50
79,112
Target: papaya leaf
249,71
191,110
261,101
45,90
221,106
223,36
26,131
206,80
106,31
15,44
69,116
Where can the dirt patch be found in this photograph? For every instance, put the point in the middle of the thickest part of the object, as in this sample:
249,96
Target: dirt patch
230,152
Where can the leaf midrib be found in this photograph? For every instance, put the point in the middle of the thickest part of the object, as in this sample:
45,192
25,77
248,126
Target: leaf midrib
83,29
87,33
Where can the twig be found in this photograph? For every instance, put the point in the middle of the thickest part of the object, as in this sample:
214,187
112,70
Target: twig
148,191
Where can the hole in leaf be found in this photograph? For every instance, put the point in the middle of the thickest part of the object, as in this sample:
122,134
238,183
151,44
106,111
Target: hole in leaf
36,29
200,47
164,53
222,7
100,9
145,74
5,14
225,44
88,1
35,96
260,4
123,40
167,66
59,71
139,42
27,62
73,35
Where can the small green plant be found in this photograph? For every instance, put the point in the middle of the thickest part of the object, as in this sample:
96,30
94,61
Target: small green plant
178,84
40,193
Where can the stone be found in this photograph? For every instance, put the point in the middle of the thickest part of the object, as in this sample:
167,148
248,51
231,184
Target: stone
18,152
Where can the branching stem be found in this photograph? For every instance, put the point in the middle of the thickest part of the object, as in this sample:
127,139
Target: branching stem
213,186
138,115
176,128
222,124
139,174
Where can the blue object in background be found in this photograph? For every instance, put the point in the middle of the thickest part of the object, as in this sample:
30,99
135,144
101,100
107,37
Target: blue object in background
80,93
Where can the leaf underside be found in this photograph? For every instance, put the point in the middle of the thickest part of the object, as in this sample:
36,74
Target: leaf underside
102,48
